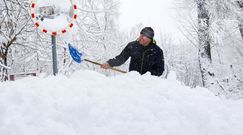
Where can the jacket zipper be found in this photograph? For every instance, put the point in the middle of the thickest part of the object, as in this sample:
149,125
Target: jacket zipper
142,61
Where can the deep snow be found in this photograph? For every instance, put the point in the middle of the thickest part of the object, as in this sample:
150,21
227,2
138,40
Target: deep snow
89,103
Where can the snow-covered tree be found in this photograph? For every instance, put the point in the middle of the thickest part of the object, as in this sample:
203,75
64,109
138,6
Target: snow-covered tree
218,32
205,58
240,15
97,34
15,26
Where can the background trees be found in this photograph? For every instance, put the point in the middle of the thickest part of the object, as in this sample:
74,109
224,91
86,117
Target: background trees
15,29
211,56
218,42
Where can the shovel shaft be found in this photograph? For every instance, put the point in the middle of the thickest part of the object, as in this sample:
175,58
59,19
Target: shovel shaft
96,63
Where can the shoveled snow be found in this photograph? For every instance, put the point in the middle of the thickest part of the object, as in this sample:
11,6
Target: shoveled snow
89,103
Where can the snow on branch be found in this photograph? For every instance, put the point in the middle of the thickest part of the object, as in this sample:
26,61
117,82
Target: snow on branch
2,65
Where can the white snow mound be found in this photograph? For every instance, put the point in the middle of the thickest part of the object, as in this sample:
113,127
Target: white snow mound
89,103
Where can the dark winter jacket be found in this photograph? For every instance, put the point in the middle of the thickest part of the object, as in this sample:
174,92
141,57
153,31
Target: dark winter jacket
143,59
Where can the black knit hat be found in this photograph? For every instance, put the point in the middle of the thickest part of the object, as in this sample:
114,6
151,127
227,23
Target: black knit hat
148,32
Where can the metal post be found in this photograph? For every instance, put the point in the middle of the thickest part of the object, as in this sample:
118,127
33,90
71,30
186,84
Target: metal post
54,55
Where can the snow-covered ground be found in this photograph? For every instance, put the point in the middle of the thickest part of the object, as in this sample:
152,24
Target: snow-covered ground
89,103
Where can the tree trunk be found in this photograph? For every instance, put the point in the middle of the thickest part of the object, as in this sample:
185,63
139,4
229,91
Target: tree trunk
240,4
241,29
3,60
205,60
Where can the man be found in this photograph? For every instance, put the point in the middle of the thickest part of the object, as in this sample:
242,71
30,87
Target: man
145,55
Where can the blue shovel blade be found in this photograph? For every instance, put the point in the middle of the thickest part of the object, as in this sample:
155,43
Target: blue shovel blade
75,54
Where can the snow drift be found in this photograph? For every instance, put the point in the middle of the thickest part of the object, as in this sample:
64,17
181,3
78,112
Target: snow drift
89,103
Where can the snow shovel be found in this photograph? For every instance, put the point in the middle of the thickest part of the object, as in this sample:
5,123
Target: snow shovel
77,57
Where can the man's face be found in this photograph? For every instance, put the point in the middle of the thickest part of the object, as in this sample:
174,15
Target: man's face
143,40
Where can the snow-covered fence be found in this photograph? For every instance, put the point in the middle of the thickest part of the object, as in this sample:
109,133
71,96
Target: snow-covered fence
13,77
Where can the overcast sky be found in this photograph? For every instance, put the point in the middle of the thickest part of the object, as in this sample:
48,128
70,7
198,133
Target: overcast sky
159,14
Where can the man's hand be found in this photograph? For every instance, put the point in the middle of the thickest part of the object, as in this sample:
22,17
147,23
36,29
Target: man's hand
105,65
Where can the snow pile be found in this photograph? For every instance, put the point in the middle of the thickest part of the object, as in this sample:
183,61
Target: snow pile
89,103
